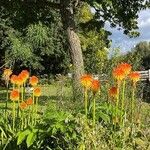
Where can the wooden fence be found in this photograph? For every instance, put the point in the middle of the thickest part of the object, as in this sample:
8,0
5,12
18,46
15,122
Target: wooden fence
145,75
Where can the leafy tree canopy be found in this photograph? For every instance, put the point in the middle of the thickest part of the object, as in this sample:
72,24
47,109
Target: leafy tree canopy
34,27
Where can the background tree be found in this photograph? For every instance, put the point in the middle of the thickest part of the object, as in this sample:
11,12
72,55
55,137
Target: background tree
38,45
94,42
118,13
142,49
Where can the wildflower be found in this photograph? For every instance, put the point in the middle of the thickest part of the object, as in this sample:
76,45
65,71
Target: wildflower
95,86
134,76
14,95
20,80
33,80
119,74
113,91
37,92
125,67
23,105
29,101
24,74
7,73
13,79
86,80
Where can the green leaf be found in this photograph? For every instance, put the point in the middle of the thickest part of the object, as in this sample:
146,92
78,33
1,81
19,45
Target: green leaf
30,139
105,117
22,136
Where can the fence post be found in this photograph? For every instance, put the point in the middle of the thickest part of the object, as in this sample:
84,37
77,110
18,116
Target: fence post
149,74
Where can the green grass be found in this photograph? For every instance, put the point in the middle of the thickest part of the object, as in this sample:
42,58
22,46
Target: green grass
49,93
62,96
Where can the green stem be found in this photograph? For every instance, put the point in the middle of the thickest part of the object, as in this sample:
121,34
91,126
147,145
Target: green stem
18,110
7,97
29,115
117,102
22,93
94,112
85,101
13,114
132,107
33,109
22,120
24,85
123,102
36,111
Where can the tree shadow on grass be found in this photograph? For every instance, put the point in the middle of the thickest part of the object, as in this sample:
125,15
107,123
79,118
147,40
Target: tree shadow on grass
44,100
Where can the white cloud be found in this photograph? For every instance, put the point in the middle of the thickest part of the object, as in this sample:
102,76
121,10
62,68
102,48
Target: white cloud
144,23
144,18
126,43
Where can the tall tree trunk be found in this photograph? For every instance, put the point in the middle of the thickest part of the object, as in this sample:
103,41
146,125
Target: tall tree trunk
67,15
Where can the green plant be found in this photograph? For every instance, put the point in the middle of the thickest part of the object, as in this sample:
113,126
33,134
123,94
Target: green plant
57,130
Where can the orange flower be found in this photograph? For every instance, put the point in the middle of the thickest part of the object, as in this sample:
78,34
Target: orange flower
134,76
95,86
125,67
13,79
86,80
20,80
119,74
113,91
14,95
37,92
29,101
24,74
23,105
33,80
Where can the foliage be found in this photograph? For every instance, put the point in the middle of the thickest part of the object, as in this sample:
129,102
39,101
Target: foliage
142,53
39,31
94,42
59,126
28,44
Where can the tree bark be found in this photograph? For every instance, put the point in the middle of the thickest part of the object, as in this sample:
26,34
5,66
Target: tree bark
67,14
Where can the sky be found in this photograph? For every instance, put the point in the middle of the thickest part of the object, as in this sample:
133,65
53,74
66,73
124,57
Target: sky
123,41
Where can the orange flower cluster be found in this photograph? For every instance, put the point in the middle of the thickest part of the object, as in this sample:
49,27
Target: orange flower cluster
95,86
14,95
118,74
113,91
29,101
25,104
24,75
33,80
21,78
122,71
134,76
125,67
88,82
37,92
14,79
